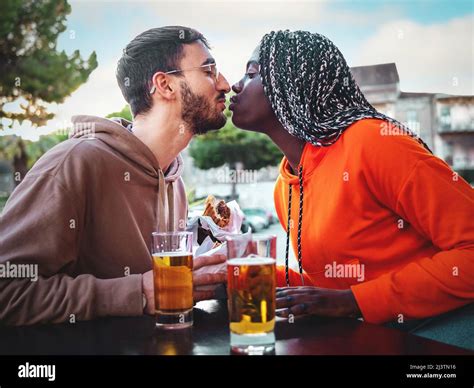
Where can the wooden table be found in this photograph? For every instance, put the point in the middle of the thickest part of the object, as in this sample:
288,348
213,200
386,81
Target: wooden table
210,336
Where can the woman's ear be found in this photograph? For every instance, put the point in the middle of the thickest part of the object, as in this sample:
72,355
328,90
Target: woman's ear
162,86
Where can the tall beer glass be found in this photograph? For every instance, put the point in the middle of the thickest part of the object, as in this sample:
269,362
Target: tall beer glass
264,245
251,303
173,279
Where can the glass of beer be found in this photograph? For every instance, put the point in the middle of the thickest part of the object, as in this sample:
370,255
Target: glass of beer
251,301
264,245
173,279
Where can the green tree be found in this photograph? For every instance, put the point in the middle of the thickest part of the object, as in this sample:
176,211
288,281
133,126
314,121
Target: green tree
36,149
32,72
13,149
22,154
234,147
125,113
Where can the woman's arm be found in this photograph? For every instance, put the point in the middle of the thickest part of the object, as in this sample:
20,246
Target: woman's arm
440,206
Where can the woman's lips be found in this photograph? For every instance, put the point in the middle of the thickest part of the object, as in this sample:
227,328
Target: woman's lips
233,102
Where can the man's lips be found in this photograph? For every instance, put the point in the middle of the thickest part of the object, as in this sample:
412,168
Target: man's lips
221,101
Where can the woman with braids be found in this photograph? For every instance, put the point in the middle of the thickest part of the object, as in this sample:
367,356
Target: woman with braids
382,229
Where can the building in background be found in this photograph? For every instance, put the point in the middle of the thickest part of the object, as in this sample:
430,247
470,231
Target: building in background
444,122
455,132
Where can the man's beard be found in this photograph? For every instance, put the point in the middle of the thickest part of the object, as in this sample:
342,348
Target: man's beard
198,113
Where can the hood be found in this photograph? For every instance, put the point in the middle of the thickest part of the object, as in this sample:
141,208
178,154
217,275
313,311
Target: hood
115,134
310,158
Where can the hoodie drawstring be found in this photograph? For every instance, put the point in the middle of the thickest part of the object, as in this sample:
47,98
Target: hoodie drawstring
171,226
162,226
288,227
161,202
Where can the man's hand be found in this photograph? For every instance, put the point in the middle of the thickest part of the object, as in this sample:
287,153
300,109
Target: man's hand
318,301
148,290
209,270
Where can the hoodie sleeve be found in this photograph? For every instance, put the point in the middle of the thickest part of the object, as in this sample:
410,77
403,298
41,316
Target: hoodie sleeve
41,226
426,193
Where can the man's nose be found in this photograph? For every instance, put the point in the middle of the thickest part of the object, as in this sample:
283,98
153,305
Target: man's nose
222,84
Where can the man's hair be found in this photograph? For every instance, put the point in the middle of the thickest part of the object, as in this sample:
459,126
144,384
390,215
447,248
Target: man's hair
157,49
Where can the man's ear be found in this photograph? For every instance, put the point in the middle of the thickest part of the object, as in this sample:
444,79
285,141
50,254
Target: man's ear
162,86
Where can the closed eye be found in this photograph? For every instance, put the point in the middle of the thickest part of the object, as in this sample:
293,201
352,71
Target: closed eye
211,70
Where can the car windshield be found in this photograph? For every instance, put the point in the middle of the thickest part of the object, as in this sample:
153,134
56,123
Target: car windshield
254,211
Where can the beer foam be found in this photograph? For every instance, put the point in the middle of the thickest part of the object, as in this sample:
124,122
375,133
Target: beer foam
172,254
251,260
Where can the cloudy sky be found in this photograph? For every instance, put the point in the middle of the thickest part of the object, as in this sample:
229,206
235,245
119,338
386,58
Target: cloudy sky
431,42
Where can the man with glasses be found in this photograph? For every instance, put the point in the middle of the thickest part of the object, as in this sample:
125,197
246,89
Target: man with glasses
84,214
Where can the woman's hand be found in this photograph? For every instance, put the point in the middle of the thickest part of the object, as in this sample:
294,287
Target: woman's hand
317,301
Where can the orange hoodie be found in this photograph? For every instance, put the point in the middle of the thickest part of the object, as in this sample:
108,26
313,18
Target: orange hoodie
383,217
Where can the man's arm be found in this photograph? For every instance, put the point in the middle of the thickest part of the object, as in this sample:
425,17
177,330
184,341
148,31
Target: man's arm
61,298
41,226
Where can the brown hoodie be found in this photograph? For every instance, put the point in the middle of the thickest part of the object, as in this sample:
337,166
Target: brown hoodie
84,215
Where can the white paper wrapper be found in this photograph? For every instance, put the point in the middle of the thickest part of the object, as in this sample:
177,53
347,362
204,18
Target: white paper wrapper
206,248
236,219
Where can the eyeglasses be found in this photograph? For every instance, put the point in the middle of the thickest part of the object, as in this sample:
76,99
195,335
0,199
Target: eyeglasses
210,68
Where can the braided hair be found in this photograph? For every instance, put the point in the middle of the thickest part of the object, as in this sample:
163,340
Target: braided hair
311,89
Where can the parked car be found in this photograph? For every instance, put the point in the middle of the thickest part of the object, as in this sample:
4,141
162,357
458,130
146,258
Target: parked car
266,215
257,223
258,219
274,215
245,225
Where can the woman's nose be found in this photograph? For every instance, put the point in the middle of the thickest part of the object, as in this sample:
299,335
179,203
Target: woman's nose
237,87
